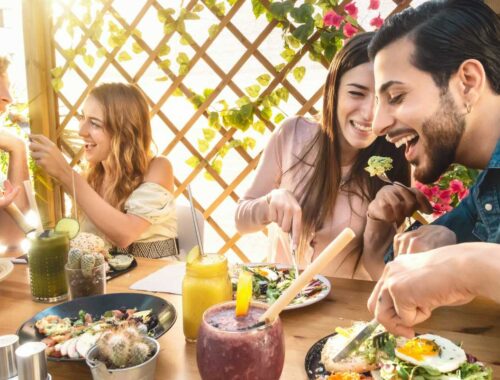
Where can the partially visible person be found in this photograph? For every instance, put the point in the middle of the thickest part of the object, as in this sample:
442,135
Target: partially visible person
126,194
10,233
437,80
311,180
412,286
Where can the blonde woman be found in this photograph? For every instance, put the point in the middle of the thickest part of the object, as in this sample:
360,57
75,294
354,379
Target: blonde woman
126,193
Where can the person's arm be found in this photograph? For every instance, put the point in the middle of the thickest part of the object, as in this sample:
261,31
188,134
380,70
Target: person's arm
18,165
252,212
120,228
412,286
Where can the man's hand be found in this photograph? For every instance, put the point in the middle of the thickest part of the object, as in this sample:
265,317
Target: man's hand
414,285
423,239
285,211
8,195
393,203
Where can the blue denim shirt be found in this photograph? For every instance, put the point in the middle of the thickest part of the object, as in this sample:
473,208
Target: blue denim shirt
477,217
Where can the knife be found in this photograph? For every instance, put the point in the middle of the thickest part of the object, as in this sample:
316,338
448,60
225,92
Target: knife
355,341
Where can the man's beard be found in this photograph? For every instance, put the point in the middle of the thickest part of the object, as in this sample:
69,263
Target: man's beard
441,134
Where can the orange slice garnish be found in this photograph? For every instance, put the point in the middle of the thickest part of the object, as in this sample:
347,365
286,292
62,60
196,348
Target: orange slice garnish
243,293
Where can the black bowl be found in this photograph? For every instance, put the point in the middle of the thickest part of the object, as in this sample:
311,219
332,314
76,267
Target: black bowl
97,306
313,364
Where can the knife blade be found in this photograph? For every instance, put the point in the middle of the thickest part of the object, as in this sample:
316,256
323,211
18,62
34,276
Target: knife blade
355,341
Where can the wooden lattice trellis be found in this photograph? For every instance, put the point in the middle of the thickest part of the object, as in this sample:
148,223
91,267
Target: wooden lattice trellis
52,112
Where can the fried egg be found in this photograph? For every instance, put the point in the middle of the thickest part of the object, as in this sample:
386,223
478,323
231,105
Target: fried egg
432,351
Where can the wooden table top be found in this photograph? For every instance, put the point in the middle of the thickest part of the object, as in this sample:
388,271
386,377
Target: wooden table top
476,325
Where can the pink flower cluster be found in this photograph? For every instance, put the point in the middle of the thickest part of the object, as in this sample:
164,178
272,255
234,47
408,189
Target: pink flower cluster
443,199
332,18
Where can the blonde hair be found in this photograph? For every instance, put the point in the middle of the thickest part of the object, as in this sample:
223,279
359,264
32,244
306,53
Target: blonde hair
126,119
4,64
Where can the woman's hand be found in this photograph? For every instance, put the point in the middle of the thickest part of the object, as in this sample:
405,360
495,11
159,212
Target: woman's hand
8,195
285,211
49,157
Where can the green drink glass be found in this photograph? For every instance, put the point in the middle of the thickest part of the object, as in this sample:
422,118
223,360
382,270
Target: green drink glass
47,257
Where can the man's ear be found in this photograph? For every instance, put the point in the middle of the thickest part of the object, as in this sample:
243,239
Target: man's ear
471,79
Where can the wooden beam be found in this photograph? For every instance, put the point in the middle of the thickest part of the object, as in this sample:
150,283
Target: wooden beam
495,5
37,24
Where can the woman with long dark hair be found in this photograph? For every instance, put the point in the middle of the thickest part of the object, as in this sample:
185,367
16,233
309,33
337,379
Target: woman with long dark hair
311,180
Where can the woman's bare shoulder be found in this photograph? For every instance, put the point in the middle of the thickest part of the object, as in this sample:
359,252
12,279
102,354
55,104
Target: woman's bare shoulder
160,171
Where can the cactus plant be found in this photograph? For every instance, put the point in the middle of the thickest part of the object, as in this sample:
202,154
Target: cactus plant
80,259
123,348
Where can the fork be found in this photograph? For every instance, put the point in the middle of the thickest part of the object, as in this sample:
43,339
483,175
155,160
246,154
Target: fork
380,339
294,256
416,215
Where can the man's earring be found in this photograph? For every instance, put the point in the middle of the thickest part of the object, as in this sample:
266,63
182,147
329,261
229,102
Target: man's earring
468,107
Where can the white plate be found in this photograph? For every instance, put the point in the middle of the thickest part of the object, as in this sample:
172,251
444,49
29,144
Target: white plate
315,298
5,268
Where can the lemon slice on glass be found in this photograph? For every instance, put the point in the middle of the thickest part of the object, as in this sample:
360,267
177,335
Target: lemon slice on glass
243,293
193,254
69,226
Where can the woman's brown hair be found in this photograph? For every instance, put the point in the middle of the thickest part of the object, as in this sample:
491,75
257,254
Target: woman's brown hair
126,119
320,191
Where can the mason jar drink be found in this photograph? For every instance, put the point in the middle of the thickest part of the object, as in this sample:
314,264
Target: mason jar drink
230,347
206,283
47,257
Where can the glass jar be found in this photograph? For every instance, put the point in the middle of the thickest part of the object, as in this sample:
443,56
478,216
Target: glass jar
206,283
80,285
47,257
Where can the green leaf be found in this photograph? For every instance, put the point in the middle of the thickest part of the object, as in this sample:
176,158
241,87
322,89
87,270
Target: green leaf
279,118
182,58
161,79
196,100
217,165
164,50
288,54
89,60
193,161
224,150
208,134
101,52
191,16
165,14
264,79
69,53
208,176
292,41
279,66
136,48
266,113
282,93
169,28
257,8
124,56
279,9
243,100
207,92
303,32
248,143
82,50
224,104
177,92
232,2
56,72
253,90
213,119
185,41
259,126
220,9
198,7
203,145
183,69
246,111
165,64
299,72
57,84
212,30
113,28
303,13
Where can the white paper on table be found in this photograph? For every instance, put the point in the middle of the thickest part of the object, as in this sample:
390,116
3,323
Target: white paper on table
166,280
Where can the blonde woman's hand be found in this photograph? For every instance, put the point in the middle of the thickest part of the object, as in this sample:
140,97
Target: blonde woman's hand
7,196
285,211
424,239
9,142
48,156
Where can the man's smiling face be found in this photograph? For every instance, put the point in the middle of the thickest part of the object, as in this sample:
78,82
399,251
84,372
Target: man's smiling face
414,111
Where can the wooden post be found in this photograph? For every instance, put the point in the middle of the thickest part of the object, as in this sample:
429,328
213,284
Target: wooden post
37,26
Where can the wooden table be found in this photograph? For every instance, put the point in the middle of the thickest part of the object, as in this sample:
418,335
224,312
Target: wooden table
477,325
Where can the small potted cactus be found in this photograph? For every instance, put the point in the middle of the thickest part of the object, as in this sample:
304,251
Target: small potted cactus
85,273
123,353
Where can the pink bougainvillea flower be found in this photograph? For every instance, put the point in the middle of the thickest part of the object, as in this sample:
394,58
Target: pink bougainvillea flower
374,4
331,18
445,196
351,9
456,186
377,22
349,30
463,194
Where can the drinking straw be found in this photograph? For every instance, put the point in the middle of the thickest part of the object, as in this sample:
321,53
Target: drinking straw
33,206
328,254
195,222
